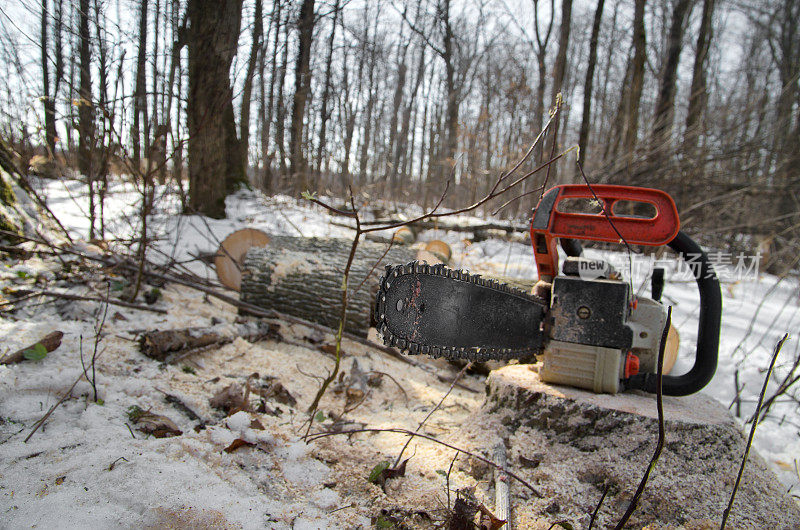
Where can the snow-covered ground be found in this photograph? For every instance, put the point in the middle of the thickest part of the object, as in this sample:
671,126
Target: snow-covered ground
64,476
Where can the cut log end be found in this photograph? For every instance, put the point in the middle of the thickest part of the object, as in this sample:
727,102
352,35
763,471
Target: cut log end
231,252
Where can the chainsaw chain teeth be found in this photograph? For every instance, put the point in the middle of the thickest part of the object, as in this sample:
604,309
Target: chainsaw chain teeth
448,352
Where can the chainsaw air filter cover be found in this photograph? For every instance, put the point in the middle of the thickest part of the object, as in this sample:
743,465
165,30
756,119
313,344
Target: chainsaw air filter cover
590,312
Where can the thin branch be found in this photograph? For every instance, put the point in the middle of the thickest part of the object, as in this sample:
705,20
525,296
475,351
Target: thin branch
422,423
661,434
727,511
511,474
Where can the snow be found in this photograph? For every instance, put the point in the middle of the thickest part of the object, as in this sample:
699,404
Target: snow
64,477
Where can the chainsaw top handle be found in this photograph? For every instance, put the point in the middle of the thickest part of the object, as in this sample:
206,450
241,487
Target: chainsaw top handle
553,219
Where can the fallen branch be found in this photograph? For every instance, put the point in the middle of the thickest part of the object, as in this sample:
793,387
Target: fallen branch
121,303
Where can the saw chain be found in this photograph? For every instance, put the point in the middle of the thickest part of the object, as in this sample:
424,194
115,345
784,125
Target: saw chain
441,312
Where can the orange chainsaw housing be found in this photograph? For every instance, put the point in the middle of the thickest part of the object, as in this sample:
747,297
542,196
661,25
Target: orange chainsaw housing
551,220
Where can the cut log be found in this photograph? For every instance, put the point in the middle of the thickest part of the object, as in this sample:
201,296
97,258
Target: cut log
404,236
583,443
229,257
303,277
440,249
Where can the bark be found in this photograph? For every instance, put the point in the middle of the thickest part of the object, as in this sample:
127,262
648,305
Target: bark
586,119
698,95
213,37
302,88
303,277
139,92
247,90
637,79
664,114
326,92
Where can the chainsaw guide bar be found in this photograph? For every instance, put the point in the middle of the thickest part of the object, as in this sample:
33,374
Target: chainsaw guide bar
437,311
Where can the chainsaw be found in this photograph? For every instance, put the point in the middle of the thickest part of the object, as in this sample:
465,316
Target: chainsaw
585,324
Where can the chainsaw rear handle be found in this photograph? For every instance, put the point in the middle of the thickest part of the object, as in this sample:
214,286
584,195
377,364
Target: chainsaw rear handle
705,361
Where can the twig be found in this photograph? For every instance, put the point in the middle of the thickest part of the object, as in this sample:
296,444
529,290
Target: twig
511,474
122,303
597,508
422,423
53,408
727,511
660,444
447,478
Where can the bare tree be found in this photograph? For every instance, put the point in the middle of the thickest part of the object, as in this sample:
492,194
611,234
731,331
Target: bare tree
247,90
302,88
325,113
586,119
139,92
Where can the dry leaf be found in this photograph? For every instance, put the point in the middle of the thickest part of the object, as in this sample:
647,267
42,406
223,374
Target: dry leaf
257,425
228,399
60,480
236,444
488,520
157,425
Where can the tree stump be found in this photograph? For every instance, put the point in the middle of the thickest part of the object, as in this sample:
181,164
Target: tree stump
303,277
572,445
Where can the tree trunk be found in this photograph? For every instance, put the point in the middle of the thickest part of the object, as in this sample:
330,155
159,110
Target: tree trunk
698,95
266,123
397,101
559,72
453,95
247,90
302,277
280,115
139,92
704,448
367,118
586,119
402,141
325,113
302,88
663,119
86,111
48,101
213,173
637,79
